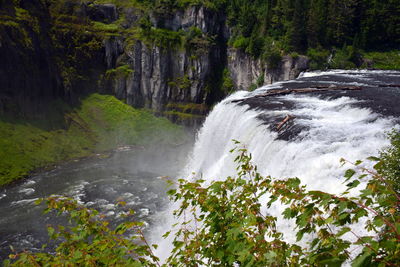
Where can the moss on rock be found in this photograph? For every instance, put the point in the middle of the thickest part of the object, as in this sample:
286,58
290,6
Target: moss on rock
100,123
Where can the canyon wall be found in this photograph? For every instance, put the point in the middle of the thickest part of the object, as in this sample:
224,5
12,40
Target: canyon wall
170,62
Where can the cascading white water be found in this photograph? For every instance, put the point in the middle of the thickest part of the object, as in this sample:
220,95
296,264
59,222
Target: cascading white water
334,128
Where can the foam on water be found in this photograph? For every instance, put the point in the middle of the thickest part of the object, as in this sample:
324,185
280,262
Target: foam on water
342,72
333,128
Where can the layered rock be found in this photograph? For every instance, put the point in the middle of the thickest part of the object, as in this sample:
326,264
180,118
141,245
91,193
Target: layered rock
71,51
245,70
162,75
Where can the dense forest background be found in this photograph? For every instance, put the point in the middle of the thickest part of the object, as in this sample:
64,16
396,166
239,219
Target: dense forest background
176,58
269,28
298,25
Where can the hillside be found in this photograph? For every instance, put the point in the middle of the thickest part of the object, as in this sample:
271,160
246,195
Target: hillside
176,58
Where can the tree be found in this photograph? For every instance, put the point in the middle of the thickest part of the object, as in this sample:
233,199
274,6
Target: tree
298,39
223,224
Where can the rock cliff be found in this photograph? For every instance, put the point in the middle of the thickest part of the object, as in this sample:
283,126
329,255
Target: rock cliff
172,74
246,71
169,61
29,75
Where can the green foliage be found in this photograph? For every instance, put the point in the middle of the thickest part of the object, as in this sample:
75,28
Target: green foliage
196,41
78,44
181,116
126,3
252,87
240,43
162,38
318,58
345,58
227,82
21,25
90,240
255,46
99,124
383,60
223,222
181,83
121,71
260,80
191,108
109,29
272,57
310,24
389,165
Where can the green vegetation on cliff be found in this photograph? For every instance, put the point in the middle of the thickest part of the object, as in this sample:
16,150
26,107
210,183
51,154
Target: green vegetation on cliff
302,24
99,124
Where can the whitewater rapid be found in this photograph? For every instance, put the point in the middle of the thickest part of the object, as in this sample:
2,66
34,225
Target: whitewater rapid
328,128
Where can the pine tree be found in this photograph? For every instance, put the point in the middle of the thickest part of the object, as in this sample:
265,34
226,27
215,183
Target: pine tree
298,28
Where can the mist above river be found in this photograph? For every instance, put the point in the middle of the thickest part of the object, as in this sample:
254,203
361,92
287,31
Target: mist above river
327,126
135,175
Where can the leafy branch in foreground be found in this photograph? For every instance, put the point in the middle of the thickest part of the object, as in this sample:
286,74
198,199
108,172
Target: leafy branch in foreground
223,223
90,241
226,223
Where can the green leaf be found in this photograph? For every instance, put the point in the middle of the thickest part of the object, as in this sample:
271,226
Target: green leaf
362,260
373,158
333,262
329,220
349,173
166,234
353,184
270,256
171,192
358,162
378,222
379,165
287,213
343,231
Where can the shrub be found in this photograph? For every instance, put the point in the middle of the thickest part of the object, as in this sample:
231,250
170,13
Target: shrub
346,58
90,241
260,80
241,43
227,82
222,224
318,58
273,58
234,230
389,165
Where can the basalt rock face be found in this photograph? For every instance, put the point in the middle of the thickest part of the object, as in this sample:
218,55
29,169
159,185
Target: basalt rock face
29,75
245,70
67,50
46,54
162,75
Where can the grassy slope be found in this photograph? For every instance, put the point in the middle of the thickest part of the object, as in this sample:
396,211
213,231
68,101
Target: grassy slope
385,60
100,123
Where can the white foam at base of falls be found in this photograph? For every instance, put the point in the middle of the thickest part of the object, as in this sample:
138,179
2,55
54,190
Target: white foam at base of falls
334,128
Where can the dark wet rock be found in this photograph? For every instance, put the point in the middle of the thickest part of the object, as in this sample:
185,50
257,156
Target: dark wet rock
106,13
29,75
379,93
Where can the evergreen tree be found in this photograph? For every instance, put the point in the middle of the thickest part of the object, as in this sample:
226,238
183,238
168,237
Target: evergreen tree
298,27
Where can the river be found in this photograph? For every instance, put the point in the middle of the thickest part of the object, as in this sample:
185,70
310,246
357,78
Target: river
327,126
131,174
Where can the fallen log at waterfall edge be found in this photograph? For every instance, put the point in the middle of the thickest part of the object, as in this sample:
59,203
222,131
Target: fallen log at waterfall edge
284,121
314,89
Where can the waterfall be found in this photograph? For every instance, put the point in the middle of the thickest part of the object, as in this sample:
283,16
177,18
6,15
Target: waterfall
331,128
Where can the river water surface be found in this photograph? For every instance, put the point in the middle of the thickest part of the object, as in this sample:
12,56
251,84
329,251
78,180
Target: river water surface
327,126
131,174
